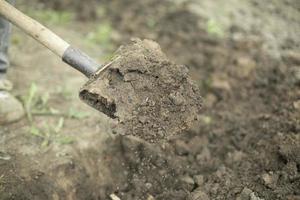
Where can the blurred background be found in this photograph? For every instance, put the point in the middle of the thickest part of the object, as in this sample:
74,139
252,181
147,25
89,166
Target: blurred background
243,54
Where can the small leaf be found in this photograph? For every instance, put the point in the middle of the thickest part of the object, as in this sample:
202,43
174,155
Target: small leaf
65,140
59,125
32,92
29,101
53,111
77,114
45,99
47,129
214,28
35,131
45,143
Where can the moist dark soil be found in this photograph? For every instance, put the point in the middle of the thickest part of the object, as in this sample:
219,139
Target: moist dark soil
150,97
246,144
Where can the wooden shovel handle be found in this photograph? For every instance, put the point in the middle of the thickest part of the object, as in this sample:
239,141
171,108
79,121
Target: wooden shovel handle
34,29
70,55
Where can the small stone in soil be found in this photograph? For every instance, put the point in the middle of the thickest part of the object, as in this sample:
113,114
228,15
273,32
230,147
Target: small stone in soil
199,180
198,195
114,197
270,179
245,194
187,183
181,148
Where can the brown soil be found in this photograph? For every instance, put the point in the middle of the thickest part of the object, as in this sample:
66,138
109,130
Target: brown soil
246,145
149,96
236,152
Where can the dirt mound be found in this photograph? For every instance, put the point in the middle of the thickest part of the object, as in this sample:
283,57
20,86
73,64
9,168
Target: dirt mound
236,151
150,97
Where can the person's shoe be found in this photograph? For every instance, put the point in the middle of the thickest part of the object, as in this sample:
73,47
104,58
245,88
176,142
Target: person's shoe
11,110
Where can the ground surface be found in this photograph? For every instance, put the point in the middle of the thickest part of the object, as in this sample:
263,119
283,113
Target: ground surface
245,59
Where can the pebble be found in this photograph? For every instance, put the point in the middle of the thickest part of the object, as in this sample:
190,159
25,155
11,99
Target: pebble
210,100
204,156
252,42
293,197
199,179
143,119
246,66
270,179
148,186
220,82
176,98
198,195
4,156
290,170
181,148
254,197
114,197
188,183
291,56
296,105
236,156
247,194
294,74
196,144
150,197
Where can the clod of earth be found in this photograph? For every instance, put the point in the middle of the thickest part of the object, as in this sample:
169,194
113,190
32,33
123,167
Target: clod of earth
147,95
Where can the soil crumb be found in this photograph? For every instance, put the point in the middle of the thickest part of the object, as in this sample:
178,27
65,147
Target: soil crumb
149,96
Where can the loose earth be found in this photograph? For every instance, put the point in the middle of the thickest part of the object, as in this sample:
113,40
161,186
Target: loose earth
148,96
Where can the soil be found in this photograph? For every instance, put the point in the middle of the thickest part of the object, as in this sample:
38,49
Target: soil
149,96
246,145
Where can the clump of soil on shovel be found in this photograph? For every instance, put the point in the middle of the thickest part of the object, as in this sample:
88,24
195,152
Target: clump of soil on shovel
148,96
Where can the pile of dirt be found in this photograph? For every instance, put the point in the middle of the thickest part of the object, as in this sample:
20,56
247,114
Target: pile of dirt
246,145
149,96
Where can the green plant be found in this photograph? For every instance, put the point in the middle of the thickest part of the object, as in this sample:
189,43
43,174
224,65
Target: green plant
65,92
16,39
36,103
51,16
75,114
151,23
50,133
214,28
29,101
101,35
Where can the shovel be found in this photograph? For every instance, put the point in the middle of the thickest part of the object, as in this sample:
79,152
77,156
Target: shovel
70,55
145,93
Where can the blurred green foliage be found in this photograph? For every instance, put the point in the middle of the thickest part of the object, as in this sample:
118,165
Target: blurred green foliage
51,16
214,28
101,35
51,133
37,104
